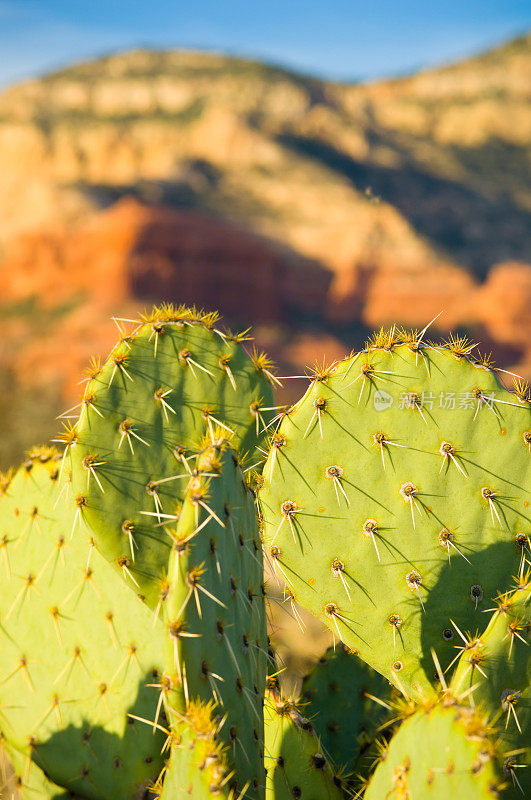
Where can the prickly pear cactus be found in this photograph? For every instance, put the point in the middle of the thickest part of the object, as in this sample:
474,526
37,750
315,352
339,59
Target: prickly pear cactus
295,763
175,377
214,610
78,652
442,750
346,702
197,765
496,666
395,494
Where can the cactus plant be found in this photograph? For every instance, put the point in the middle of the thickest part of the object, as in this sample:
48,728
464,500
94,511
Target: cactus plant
394,504
176,376
395,491
345,700
442,749
496,668
77,652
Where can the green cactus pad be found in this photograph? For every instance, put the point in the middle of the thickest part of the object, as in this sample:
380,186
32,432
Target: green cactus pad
394,494
440,751
175,377
295,763
497,665
198,766
77,649
338,698
214,609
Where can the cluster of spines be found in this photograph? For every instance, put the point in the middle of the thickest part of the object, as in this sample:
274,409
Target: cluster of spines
389,339
198,765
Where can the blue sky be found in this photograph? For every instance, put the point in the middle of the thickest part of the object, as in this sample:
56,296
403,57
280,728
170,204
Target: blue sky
346,39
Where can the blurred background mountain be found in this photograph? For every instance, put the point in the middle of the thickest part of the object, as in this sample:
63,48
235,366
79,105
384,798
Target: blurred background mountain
313,209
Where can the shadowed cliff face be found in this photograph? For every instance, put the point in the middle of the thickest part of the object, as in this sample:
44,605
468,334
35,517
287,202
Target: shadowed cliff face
462,220
314,209
211,263
133,252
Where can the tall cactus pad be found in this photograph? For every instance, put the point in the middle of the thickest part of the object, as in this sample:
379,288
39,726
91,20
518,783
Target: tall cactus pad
213,604
497,665
295,762
338,697
395,495
441,751
198,766
143,413
77,650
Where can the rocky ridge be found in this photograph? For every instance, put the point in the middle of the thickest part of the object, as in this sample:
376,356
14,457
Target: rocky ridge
315,208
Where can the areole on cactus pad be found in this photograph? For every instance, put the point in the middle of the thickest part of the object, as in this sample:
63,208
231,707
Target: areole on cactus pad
395,495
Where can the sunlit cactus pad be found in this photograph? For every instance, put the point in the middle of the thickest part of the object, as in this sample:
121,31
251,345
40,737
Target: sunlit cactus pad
175,376
395,496
214,611
443,750
77,652
295,762
346,702
496,667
